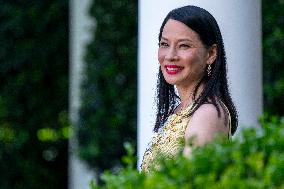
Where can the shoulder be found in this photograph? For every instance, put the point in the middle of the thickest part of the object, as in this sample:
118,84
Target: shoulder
208,111
206,123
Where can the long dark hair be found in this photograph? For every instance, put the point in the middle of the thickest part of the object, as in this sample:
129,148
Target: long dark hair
215,85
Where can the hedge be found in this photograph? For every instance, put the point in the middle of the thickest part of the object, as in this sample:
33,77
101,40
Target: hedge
255,159
273,57
108,113
33,94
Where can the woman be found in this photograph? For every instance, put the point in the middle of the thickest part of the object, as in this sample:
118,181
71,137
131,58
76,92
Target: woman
192,62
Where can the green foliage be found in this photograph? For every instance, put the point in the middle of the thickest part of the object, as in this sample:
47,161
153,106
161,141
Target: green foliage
108,113
253,160
33,93
273,57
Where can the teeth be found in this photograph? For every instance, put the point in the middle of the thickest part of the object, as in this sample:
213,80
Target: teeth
172,69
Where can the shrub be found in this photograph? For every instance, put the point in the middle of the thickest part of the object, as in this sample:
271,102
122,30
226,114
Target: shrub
33,94
253,160
273,57
108,113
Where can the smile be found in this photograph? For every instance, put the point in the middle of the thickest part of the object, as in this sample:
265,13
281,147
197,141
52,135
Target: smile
173,69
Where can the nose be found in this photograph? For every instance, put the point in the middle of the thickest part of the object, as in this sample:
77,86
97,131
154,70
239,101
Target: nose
171,54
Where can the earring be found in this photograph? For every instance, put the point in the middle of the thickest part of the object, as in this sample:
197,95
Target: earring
209,70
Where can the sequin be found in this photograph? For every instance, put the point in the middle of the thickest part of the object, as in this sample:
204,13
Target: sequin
168,142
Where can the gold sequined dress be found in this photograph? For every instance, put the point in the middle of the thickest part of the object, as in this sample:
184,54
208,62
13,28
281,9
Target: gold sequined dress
168,141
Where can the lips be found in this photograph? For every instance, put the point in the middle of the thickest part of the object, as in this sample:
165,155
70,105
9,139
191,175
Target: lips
173,69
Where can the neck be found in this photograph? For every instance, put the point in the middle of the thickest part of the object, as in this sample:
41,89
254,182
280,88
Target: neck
186,94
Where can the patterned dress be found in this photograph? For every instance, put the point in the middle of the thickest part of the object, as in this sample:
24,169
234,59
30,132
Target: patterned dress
169,141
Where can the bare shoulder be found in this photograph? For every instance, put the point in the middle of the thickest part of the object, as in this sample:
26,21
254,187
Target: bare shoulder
208,111
205,124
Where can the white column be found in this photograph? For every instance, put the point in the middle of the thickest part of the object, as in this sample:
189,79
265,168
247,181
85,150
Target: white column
240,23
80,27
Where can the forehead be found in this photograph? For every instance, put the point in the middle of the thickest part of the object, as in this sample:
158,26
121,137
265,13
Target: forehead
177,30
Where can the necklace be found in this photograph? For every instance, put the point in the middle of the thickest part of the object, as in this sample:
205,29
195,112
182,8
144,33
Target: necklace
180,115
188,102
183,107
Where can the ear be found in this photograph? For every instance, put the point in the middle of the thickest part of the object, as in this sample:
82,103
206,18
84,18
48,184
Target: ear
212,54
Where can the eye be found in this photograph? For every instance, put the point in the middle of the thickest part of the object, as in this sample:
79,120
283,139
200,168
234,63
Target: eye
163,44
184,46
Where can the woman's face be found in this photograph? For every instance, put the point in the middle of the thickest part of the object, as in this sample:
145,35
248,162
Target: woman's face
182,55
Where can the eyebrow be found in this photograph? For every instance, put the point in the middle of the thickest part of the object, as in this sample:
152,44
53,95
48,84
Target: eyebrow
179,40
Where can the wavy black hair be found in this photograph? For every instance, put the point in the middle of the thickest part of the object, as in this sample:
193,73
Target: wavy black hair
215,86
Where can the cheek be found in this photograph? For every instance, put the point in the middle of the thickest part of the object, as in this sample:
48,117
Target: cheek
161,56
195,59
190,59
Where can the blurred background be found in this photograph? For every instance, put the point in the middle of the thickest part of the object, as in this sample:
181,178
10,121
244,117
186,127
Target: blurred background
35,87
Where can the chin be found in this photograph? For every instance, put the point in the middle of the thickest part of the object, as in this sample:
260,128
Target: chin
171,81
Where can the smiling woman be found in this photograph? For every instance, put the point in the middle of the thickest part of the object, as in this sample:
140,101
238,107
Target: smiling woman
182,55
192,60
